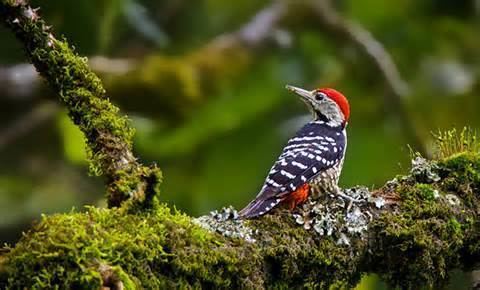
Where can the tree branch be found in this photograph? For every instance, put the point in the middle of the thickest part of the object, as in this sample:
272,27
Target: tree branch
413,231
109,135
378,56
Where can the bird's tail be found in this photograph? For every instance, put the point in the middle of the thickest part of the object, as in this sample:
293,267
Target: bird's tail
259,206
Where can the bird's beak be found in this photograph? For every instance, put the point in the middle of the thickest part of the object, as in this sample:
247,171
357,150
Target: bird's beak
306,96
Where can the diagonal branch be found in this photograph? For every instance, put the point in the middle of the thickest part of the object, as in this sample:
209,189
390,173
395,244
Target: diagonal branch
374,51
108,134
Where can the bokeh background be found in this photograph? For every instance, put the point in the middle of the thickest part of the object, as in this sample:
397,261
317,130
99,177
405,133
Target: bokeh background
203,82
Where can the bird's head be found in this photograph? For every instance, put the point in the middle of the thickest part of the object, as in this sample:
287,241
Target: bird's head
325,104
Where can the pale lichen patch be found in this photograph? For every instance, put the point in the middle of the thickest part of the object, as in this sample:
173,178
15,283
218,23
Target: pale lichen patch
424,170
342,217
227,223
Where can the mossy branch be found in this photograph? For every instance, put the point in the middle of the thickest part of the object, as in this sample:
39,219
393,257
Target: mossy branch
108,134
413,232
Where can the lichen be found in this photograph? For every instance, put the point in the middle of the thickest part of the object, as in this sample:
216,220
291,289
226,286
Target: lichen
342,217
295,257
424,170
227,223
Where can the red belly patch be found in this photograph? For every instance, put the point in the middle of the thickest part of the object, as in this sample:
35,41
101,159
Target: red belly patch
298,196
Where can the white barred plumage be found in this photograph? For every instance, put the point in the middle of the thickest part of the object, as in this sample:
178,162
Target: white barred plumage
312,159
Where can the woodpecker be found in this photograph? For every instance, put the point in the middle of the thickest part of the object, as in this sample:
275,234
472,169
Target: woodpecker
312,160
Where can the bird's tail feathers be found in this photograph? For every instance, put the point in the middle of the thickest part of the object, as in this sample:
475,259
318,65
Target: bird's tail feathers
259,207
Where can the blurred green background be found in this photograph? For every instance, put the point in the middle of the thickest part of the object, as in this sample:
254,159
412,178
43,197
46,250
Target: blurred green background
213,113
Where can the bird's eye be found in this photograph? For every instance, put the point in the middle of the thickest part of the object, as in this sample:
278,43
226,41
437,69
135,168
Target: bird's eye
319,96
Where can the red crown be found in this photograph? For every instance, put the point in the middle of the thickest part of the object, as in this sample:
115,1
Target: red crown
338,98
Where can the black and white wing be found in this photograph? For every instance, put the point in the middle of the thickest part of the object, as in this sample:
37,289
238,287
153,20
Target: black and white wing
316,148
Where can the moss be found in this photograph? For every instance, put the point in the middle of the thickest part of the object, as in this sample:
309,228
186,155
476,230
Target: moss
426,191
429,231
295,258
455,226
143,183
161,249
155,250
452,142
116,278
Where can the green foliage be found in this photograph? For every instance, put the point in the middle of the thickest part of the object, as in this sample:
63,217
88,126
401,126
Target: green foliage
223,114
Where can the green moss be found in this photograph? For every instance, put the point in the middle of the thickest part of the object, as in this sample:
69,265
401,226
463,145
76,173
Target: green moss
295,257
455,226
426,191
116,275
160,249
452,142
155,250
418,243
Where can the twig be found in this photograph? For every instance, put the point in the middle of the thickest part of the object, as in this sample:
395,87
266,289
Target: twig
260,29
365,42
374,51
256,32
27,122
108,134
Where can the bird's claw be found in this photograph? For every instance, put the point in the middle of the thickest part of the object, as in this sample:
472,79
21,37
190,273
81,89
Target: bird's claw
349,198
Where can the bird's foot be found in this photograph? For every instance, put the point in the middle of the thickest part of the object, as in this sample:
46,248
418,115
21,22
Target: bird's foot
350,199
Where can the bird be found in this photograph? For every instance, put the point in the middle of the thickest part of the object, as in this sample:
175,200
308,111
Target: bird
312,160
